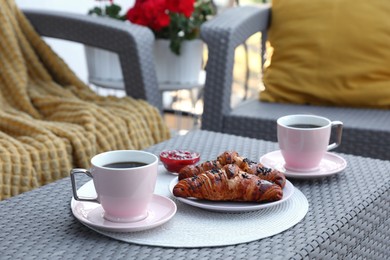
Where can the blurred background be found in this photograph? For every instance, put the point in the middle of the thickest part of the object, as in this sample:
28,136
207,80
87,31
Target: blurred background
180,112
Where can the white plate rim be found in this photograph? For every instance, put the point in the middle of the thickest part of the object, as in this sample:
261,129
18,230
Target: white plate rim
222,206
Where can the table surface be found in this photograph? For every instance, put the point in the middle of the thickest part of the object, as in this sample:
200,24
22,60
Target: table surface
348,216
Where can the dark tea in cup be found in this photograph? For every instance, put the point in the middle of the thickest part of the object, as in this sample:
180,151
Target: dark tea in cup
123,165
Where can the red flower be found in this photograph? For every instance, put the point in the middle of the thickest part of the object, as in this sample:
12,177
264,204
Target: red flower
151,13
175,20
185,7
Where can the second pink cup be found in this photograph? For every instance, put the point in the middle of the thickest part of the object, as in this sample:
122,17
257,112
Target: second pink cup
304,140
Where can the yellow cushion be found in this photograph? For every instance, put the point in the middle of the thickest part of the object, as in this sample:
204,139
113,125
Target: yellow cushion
329,52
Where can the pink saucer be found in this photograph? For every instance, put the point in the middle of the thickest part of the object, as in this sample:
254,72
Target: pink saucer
331,164
161,209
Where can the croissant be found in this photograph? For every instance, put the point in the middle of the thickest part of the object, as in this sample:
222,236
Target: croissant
194,170
216,186
246,165
231,170
261,171
227,157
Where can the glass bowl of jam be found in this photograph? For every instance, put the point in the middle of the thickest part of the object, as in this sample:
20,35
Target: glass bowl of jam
174,160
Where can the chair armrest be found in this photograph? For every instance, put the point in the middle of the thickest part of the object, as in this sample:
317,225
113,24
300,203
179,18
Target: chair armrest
133,44
222,35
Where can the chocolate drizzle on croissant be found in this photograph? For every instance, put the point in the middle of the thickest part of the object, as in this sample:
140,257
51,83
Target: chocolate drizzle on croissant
244,164
193,170
261,171
216,185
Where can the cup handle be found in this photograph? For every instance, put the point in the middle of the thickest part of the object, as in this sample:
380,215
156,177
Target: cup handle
74,186
339,132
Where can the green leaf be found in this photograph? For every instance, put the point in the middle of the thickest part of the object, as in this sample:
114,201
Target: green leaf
97,11
175,45
113,11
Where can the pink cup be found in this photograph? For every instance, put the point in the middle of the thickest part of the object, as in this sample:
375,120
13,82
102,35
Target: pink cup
304,140
123,190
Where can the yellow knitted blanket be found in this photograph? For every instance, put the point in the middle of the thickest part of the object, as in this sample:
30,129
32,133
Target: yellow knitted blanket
50,121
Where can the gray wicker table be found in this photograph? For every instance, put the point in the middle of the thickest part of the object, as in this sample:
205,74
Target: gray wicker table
349,216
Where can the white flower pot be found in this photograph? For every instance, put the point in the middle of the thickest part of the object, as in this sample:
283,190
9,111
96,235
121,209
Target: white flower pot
183,68
104,66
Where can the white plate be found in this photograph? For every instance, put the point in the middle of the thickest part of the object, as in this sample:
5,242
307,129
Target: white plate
161,209
226,206
331,164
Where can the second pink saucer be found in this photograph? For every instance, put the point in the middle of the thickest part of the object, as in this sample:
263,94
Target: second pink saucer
330,164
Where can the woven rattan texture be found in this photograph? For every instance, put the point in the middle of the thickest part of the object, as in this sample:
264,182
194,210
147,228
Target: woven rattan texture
365,130
348,216
133,44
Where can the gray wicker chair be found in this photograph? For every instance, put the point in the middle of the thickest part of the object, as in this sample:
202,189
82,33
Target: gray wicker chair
133,43
366,131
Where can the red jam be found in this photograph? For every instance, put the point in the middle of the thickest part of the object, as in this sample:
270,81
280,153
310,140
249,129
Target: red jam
174,160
